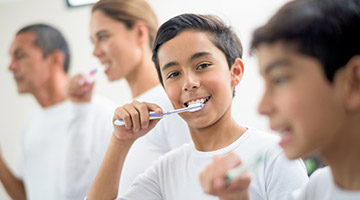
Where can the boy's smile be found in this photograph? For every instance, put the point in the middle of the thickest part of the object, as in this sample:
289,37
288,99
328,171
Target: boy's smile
194,70
300,102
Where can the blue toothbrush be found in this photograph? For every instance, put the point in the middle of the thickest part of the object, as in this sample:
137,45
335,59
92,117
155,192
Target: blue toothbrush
154,115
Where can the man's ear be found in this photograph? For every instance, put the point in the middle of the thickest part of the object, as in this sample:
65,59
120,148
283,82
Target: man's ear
237,71
142,33
56,59
353,82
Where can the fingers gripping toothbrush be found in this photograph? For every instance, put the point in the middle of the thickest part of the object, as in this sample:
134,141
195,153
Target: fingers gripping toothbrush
154,115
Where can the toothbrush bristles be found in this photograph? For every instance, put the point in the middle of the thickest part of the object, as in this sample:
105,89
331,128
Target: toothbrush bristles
195,107
92,72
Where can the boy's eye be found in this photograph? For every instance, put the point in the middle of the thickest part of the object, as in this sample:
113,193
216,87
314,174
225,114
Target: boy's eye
102,37
280,80
203,65
172,75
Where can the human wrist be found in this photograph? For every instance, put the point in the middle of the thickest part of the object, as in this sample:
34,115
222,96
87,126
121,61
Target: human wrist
121,140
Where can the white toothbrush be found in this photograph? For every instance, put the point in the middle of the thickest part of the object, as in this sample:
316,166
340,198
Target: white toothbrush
154,115
236,172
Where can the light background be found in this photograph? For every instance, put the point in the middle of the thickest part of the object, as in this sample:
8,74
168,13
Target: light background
243,15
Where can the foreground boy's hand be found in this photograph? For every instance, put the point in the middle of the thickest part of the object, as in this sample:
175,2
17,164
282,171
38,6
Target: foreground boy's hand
79,90
212,179
136,118
137,124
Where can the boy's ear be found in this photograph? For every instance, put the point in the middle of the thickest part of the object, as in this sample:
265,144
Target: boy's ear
237,71
353,82
142,32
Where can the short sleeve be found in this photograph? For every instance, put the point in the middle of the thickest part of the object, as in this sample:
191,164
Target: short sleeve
19,171
146,186
283,176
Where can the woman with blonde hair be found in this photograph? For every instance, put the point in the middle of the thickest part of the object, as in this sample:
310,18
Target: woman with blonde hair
123,32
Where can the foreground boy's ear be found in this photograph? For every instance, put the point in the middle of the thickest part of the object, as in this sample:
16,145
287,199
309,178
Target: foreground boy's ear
237,71
353,82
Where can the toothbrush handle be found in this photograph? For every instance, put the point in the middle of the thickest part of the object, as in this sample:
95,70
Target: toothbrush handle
152,115
235,172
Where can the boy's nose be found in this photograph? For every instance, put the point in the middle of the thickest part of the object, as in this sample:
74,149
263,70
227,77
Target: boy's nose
190,82
265,107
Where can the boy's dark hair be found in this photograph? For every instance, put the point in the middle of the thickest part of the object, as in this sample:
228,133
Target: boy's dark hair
49,39
222,36
328,30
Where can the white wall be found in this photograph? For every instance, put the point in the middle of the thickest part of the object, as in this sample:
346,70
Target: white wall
244,15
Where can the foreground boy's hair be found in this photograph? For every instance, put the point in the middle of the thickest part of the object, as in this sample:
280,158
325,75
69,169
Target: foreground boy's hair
333,40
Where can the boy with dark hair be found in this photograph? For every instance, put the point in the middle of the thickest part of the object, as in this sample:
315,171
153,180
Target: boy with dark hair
198,59
309,56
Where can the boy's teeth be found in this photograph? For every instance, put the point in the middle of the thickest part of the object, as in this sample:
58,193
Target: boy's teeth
197,101
107,65
284,131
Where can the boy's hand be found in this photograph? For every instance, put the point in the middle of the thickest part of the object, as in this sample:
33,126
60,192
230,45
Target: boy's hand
212,179
79,89
136,118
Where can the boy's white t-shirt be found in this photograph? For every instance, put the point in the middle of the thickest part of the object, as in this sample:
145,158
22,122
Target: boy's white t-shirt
62,148
175,175
170,133
322,186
